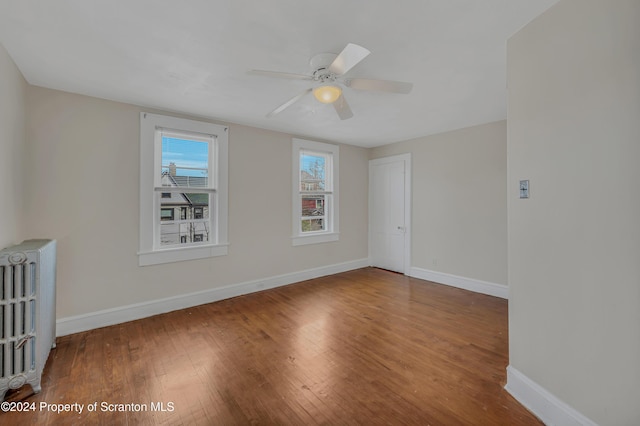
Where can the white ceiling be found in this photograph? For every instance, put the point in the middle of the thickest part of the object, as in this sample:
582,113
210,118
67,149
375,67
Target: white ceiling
192,56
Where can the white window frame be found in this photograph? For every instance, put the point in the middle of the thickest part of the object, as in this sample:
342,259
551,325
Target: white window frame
150,252
331,232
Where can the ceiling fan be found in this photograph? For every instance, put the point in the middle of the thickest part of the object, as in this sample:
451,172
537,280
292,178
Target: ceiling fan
328,79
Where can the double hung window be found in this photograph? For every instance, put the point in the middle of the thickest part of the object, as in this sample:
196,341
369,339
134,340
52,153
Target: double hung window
315,192
183,189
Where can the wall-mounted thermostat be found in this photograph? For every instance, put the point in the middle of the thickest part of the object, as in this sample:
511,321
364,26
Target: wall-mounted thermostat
524,189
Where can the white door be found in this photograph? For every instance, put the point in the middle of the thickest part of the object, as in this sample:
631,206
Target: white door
389,209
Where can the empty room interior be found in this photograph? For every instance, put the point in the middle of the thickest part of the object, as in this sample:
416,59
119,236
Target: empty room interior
337,212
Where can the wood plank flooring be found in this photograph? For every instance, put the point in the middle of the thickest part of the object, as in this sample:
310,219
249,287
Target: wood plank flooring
362,347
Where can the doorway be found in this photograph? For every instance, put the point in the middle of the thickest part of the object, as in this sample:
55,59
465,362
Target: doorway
390,213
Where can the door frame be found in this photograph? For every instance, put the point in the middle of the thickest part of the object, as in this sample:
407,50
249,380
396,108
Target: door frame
406,158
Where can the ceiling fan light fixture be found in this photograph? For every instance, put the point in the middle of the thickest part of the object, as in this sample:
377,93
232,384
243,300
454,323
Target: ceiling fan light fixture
327,94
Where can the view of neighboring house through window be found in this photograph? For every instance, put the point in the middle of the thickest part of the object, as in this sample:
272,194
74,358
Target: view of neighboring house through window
185,169
315,192
183,187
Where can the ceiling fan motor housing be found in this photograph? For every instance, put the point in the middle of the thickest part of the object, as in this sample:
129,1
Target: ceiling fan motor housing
324,76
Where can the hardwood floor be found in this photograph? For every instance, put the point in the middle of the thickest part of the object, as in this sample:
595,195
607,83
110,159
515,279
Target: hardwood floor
361,347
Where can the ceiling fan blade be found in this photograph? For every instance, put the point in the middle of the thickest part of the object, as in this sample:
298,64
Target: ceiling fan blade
350,56
288,104
379,85
280,75
342,108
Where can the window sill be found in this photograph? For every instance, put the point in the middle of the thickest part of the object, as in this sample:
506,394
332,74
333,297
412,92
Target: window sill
315,239
180,254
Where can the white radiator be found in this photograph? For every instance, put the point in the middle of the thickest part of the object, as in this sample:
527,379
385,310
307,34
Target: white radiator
27,312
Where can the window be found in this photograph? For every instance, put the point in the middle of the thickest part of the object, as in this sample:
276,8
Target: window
183,169
166,214
315,192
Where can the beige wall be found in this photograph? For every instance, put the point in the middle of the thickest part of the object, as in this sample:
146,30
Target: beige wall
459,217
83,188
574,246
12,142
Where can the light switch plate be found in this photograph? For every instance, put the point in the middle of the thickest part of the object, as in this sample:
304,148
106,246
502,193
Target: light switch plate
524,189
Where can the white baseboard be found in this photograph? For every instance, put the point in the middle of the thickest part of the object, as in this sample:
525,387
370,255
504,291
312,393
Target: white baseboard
484,287
541,402
78,323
